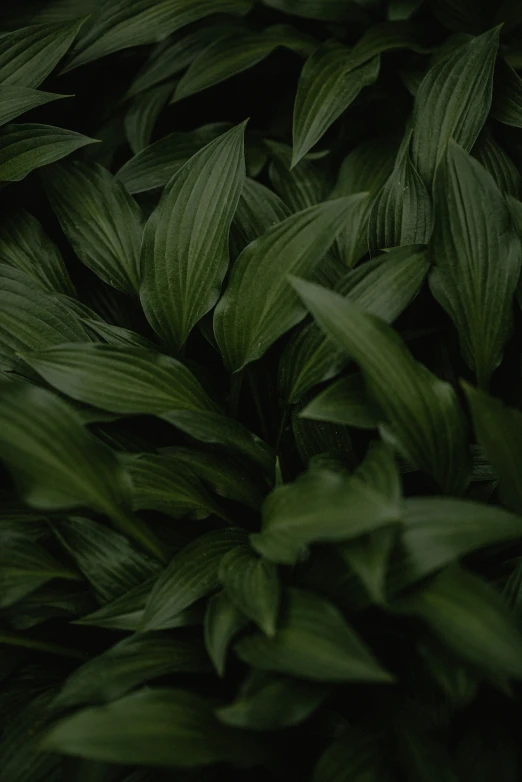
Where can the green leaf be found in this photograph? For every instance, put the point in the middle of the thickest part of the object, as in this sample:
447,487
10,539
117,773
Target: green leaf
30,318
369,557
327,10
507,95
439,531
21,757
122,24
453,101
155,165
402,212
358,755
252,584
129,663
192,574
107,559
322,440
231,54
143,113
23,148
167,485
28,56
25,245
498,163
269,702
117,336
403,9
185,244
245,325
327,86
306,184
126,611
313,642
15,100
383,287
312,509
470,618
159,727
24,566
100,219
420,412
344,402
258,210
223,621
477,258
173,55
58,465
499,431
387,37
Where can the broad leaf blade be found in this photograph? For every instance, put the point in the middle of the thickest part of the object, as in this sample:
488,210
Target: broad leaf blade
252,584
453,101
477,257
344,402
16,100
420,412
327,86
246,325
100,219
223,621
313,642
185,245
24,148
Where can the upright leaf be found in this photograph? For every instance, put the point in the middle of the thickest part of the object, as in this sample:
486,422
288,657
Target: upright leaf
23,148
28,56
121,24
100,219
327,86
185,245
252,584
314,642
419,412
453,101
192,574
477,258
258,305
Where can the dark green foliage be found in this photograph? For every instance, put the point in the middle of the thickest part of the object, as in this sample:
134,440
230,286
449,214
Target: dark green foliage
260,391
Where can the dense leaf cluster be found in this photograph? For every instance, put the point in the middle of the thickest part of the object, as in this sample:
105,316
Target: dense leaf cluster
260,393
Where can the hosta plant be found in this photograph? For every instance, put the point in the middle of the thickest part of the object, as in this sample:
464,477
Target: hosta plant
260,393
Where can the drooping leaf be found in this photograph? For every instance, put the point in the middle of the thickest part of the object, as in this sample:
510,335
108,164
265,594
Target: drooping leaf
325,504
105,557
313,642
252,584
121,24
402,211
420,412
155,165
25,245
168,486
100,219
453,101
31,318
327,86
28,55
476,257
383,287
15,100
23,148
499,430
223,621
129,663
157,727
232,54
470,618
185,245
270,702
192,574
245,325
439,531
58,465
344,402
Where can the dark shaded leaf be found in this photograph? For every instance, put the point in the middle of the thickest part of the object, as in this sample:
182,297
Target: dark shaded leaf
15,100
223,621
252,584
344,402
143,113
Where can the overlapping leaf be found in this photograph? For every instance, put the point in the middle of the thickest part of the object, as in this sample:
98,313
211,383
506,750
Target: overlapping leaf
223,621
252,584
185,245
16,100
